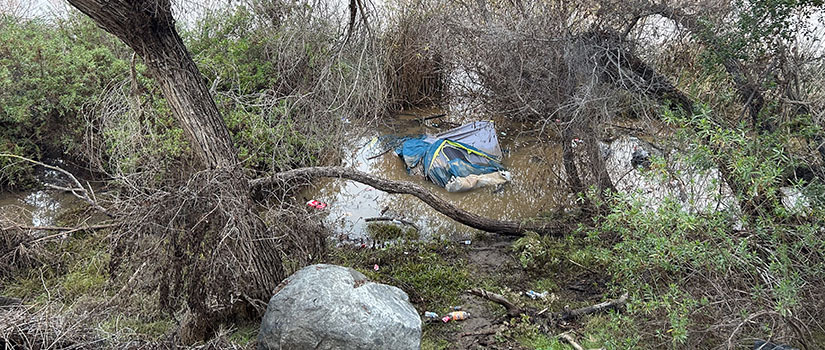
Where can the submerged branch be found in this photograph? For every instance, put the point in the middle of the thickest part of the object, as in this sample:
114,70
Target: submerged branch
78,190
385,218
512,228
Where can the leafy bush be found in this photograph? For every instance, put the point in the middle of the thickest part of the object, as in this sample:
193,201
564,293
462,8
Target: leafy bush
48,75
697,272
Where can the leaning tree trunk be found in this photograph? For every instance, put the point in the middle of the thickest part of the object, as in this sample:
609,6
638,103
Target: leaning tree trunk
148,27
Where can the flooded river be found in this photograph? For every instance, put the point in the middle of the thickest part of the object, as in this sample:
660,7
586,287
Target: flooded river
533,188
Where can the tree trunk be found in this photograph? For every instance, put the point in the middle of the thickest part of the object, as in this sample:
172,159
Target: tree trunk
571,171
148,27
597,164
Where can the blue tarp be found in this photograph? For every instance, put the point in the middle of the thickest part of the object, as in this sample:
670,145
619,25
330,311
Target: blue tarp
444,160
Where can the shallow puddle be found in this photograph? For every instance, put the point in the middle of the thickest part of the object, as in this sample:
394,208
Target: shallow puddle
36,207
533,188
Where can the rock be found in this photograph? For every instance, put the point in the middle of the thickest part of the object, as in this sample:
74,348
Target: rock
697,189
764,345
334,307
795,201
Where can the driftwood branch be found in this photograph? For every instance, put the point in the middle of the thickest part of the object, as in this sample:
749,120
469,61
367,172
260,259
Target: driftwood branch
512,309
380,154
512,228
604,306
566,315
569,339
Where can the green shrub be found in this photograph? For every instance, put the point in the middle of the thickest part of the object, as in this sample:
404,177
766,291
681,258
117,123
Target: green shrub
48,74
674,263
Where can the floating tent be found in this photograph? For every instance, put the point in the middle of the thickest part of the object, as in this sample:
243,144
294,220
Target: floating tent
459,159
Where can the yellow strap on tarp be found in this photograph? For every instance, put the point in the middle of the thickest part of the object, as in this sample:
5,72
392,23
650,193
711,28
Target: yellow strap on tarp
454,144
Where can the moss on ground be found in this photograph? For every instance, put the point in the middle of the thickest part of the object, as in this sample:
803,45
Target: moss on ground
381,232
433,274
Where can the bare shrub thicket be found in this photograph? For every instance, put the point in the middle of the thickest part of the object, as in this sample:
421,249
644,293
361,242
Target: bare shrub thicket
210,276
415,70
327,71
23,327
550,65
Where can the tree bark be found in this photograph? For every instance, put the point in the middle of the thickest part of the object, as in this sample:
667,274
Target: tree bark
571,171
147,26
597,163
512,228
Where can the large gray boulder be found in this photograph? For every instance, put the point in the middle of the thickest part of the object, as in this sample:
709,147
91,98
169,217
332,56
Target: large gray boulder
334,307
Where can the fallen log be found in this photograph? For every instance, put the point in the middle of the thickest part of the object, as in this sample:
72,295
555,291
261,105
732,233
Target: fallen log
568,315
512,309
504,227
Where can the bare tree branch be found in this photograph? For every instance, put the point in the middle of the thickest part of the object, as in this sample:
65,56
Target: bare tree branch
566,315
512,228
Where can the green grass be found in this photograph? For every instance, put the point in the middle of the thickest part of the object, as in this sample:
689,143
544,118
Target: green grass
433,274
77,271
390,232
245,334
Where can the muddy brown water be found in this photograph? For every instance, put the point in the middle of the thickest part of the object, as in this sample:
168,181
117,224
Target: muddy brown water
535,185
39,207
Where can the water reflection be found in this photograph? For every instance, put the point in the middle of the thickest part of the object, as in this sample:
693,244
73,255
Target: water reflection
533,189
44,208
